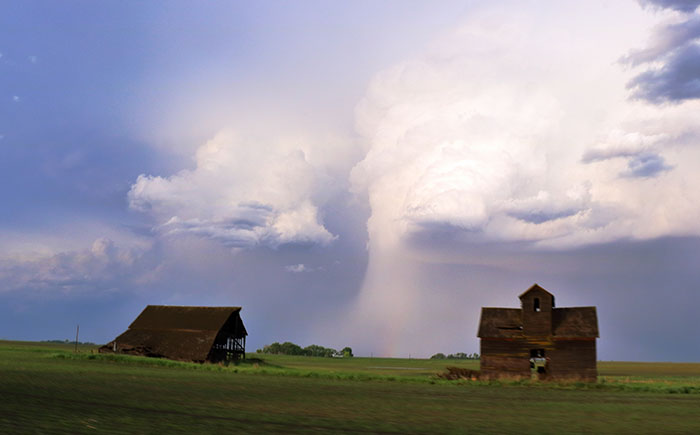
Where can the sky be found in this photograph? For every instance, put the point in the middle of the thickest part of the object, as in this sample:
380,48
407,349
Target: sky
365,174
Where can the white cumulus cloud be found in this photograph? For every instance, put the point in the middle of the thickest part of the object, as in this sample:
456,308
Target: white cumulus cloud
242,192
488,137
297,268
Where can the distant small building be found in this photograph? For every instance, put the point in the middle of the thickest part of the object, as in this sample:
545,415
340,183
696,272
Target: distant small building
554,343
196,334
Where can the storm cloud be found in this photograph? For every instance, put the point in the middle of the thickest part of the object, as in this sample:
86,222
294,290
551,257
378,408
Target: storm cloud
484,144
460,141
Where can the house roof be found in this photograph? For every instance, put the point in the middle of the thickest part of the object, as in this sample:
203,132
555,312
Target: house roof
500,323
179,317
535,287
575,322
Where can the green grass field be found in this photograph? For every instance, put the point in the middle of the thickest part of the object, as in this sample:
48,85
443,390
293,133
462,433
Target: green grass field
46,388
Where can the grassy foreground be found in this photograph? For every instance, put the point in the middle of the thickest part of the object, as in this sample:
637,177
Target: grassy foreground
45,388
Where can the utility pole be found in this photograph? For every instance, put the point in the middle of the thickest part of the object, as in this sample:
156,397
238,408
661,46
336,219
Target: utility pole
76,338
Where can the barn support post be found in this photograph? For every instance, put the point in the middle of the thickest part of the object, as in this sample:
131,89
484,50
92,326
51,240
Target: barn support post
235,334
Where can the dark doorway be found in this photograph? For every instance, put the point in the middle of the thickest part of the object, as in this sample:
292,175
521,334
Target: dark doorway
538,363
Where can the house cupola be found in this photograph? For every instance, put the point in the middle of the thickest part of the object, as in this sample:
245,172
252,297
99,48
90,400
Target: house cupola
537,304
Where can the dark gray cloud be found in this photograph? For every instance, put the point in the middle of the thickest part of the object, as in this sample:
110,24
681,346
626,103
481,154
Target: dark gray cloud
678,5
599,155
666,39
640,163
646,165
675,48
541,216
677,80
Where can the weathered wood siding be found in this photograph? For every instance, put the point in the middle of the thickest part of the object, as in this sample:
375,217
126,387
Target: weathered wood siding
537,323
573,359
504,357
566,358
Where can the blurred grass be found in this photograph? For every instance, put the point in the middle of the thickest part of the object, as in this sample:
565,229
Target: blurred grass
45,388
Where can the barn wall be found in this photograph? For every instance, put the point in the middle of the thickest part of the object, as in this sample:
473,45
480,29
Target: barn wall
573,359
566,359
504,357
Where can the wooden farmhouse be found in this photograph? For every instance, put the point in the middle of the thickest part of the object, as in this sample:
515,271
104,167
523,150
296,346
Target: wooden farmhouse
539,339
196,334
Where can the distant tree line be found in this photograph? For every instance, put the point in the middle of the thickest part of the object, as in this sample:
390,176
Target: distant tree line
87,343
458,355
288,348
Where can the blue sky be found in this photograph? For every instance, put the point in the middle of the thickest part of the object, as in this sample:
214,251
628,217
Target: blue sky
368,174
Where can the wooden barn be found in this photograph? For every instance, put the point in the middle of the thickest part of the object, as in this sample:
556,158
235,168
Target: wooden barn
196,334
539,339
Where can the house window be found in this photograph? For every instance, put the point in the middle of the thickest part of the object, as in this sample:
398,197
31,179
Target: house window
537,305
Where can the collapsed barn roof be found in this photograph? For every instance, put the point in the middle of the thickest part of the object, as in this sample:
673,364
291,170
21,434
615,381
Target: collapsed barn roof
179,332
575,322
180,317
